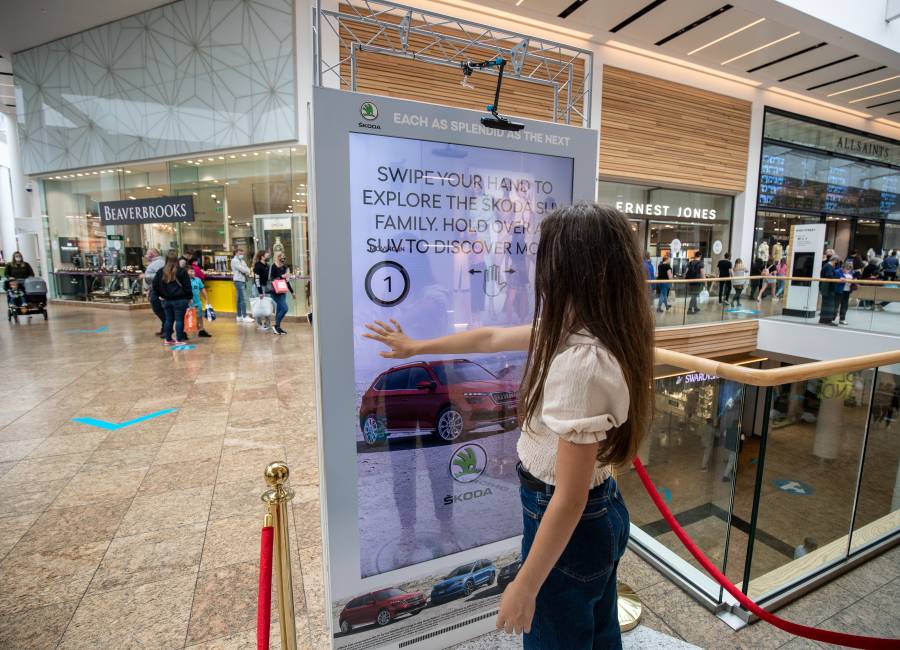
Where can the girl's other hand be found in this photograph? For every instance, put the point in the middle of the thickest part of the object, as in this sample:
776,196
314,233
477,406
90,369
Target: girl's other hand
401,346
516,609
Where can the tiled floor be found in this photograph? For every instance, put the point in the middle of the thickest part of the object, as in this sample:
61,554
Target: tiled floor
147,535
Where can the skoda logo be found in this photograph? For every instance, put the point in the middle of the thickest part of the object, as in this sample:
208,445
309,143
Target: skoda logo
468,463
368,110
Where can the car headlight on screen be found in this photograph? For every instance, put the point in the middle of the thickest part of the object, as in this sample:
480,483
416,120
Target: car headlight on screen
475,398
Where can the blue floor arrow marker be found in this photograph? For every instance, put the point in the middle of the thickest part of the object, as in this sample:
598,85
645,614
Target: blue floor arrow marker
104,328
115,426
186,346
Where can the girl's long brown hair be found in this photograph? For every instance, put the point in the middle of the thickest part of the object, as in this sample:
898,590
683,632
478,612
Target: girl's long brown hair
589,276
171,267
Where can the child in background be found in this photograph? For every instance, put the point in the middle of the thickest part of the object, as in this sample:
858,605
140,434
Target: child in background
198,289
15,297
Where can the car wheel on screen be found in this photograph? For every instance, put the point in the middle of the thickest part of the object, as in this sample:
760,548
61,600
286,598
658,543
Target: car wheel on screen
346,628
372,430
470,587
509,425
492,579
449,424
383,618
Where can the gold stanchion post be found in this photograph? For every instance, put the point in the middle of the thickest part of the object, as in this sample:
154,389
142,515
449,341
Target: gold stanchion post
278,497
629,607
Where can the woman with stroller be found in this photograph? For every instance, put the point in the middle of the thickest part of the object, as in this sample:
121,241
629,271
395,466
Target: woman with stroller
173,286
18,268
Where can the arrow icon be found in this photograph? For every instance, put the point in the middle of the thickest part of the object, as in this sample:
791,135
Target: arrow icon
473,271
104,328
115,426
186,346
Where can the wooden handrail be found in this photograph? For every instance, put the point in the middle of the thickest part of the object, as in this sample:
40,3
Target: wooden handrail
787,278
774,376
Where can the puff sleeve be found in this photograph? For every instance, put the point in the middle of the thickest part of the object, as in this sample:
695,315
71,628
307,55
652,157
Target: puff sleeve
585,394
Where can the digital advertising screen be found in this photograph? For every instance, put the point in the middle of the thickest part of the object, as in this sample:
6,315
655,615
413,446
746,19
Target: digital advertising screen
424,216
444,240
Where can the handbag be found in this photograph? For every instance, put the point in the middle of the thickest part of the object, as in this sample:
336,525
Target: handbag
280,285
210,313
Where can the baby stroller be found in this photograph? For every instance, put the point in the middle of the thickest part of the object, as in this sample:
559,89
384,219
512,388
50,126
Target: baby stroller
29,297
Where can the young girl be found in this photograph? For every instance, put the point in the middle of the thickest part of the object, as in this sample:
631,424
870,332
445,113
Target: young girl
585,403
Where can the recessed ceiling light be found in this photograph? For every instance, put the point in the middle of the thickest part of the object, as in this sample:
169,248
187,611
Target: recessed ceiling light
232,156
862,99
757,49
212,196
243,155
255,153
132,197
190,162
147,187
210,159
221,157
871,83
518,2
127,171
728,35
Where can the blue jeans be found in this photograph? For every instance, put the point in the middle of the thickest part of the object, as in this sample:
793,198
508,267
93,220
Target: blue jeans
175,310
281,307
663,295
241,299
576,606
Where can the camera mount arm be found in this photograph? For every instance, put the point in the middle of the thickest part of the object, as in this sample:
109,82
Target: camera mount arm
500,64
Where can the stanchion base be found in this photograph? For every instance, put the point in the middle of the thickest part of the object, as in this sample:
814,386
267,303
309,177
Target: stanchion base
629,606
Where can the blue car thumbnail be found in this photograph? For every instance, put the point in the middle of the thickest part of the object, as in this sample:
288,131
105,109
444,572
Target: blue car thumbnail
463,580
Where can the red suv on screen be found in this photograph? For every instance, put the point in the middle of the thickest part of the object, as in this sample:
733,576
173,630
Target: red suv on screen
445,397
380,607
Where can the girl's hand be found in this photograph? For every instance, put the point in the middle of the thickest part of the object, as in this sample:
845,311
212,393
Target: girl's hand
401,346
516,609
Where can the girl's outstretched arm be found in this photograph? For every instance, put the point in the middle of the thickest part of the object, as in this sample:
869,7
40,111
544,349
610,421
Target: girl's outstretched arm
483,339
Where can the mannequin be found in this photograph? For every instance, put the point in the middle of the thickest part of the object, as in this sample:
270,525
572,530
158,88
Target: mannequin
777,252
763,251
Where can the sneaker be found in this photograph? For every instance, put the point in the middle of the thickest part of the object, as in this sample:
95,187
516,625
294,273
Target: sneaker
843,322
280,331
168,342
238,318
247,319
263,328
204,334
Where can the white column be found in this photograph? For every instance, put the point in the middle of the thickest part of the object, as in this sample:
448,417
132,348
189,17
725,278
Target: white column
742,234
7,211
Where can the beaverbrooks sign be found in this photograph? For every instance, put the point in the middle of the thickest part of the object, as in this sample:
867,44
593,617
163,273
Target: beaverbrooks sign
163,209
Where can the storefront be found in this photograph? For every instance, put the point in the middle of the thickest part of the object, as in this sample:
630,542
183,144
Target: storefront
249,199
815,172
674,223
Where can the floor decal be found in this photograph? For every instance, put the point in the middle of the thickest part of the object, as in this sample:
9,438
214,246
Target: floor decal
115,426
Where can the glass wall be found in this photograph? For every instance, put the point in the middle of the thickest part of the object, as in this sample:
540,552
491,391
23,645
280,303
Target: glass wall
674,223
818,172
247,199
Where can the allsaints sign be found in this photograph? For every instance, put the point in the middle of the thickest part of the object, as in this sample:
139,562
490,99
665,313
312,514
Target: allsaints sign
864,148
164,209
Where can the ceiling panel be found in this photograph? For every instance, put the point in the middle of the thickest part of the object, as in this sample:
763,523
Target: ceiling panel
764,32
837,91
599,16
723,24
825,75
669,17
802,62
771,53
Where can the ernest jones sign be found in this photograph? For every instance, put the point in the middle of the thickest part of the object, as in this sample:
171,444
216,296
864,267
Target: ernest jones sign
164,209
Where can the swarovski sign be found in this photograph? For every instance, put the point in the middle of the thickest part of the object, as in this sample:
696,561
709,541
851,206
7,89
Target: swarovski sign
163,209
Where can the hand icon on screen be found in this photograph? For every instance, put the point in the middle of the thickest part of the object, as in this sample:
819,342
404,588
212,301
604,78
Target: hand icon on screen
492,281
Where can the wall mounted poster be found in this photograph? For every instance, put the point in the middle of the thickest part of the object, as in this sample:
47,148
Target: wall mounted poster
440,219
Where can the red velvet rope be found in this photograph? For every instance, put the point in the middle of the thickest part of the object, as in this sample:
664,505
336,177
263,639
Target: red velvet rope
826,636
264,602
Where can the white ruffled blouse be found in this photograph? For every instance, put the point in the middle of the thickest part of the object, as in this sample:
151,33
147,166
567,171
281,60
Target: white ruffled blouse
585,396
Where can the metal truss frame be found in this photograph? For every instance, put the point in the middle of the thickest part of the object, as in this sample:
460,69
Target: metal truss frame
448,41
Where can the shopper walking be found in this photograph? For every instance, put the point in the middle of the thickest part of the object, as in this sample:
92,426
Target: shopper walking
239,274
197,264
739,275
155,262
890,265
844,290
278,271
768,283
827,310
585,407
173,285
780,274
695,271
664,272
756,268
871,271
261,271
724,267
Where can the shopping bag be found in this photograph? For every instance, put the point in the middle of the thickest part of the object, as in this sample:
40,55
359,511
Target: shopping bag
190,320
279,285
210,313
703,297
262,307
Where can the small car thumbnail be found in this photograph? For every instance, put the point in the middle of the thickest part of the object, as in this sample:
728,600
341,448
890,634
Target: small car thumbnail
508,574
380,607
447,397
463,580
